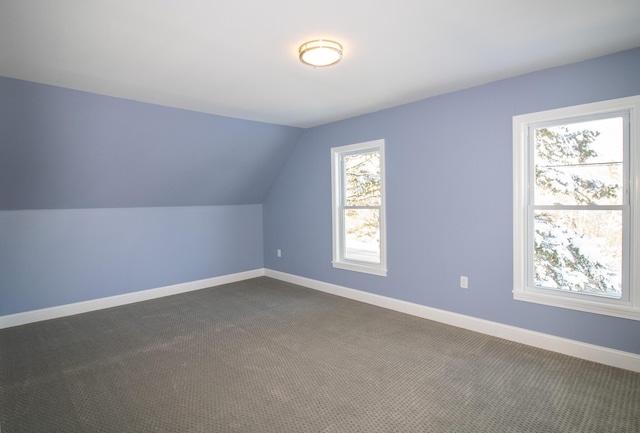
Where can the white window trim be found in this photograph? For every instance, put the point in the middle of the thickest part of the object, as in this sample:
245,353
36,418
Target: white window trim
336,197
625,308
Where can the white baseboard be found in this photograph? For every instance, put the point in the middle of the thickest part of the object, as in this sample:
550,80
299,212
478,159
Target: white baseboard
127,298
590,352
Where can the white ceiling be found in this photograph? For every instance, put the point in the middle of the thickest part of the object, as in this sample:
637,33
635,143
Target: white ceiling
238,58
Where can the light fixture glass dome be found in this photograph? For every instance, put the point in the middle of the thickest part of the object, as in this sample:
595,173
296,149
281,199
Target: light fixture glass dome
320,53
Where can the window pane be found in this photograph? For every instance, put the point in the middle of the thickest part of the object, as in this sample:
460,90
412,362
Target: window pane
362,237
580,163
579,251
362,178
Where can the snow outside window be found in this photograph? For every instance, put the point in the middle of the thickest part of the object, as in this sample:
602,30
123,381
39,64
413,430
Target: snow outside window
358,207
574,205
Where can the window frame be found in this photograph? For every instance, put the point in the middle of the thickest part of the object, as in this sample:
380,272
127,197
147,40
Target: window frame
523,290
337,198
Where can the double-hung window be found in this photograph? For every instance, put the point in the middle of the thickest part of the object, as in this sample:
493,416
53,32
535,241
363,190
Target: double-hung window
358,207
576,207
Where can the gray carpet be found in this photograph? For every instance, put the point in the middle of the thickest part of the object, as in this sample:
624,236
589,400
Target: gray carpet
267,356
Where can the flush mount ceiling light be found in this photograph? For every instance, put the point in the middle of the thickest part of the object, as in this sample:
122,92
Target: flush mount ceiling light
320,53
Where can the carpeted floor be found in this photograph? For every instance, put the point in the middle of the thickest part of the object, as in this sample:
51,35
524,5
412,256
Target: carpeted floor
266,356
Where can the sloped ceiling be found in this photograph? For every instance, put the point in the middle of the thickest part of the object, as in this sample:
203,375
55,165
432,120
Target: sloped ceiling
66,149
239,58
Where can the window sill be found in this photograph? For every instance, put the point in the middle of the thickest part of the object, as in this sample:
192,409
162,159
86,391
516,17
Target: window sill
601,306
358,267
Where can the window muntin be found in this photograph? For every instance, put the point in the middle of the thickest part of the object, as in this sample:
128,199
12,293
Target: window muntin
358,207
574,203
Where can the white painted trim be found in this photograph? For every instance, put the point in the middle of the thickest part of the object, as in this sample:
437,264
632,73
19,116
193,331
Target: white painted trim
337,193
590,352
629,306
127,298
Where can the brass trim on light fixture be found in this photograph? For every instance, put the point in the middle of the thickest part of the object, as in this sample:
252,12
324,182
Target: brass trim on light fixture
320,53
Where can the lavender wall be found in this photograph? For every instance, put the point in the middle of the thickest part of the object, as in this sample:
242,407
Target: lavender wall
449,199
57,257
102,196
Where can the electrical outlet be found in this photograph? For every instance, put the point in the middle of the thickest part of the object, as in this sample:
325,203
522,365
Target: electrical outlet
279,252
464,282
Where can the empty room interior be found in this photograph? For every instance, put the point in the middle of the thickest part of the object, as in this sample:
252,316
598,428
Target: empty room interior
408,216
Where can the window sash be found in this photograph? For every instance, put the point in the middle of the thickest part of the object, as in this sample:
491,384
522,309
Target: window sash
625,249
350,255
344,197
626,137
